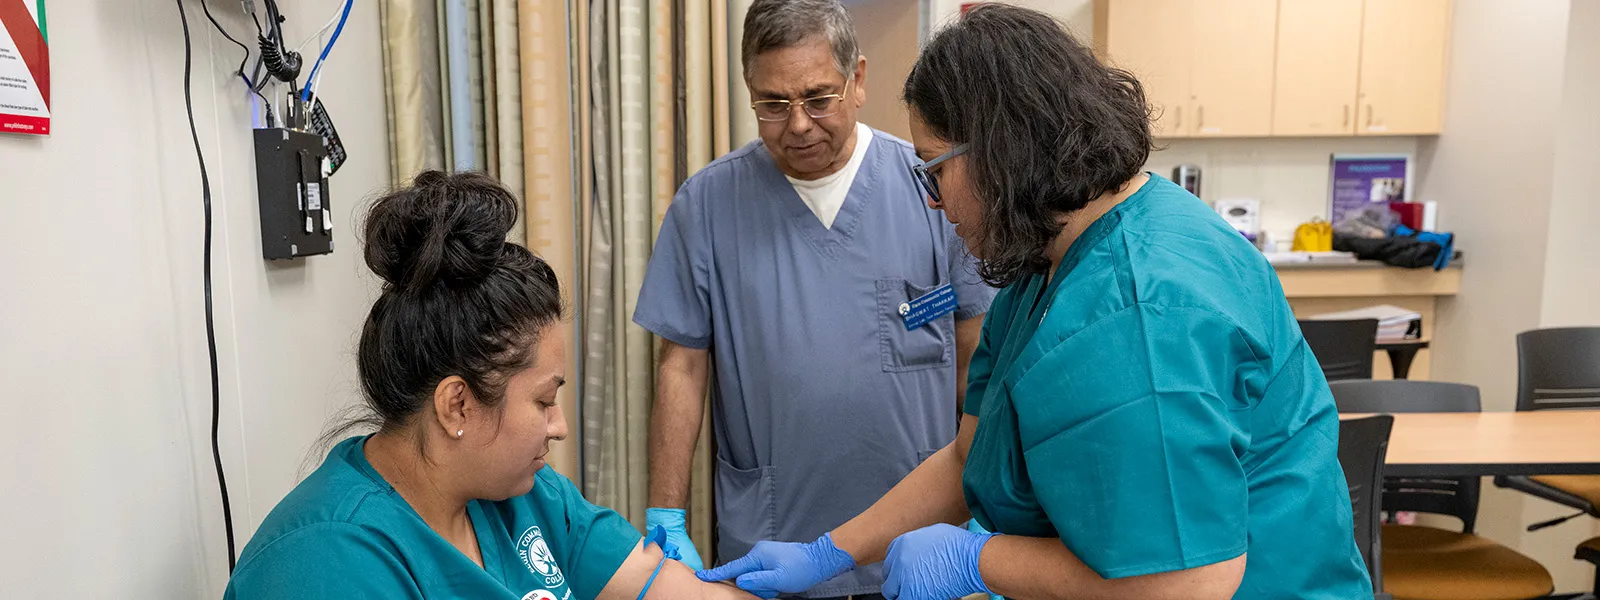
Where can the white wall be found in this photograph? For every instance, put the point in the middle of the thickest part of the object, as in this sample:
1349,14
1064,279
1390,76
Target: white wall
1491,173
1078,15
1572,263
1290,176
109,490
1521,77
888,31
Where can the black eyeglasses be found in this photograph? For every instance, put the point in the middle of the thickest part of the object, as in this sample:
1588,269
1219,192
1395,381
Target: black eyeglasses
929,183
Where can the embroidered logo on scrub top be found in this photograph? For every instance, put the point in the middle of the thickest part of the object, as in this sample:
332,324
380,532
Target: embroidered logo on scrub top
539,595
536,554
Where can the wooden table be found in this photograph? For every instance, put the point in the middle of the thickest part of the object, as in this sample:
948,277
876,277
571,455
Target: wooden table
1496,443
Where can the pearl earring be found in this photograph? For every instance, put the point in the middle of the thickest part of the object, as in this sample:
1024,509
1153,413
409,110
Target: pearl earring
459,432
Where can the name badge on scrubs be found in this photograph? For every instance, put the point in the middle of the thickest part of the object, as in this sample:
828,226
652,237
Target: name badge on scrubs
932,305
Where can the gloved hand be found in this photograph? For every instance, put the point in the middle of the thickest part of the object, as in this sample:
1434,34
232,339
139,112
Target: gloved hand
672,520
934,563
974,527
772,568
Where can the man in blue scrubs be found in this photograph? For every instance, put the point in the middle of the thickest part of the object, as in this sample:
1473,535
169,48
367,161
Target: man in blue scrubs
802,270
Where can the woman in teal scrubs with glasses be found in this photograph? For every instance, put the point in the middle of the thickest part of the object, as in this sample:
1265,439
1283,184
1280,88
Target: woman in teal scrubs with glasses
460,359
1143,417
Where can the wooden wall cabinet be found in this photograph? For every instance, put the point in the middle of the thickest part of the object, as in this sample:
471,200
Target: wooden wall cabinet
1319,59
1231,91
1206,65
1243,68
1154,41
1403,50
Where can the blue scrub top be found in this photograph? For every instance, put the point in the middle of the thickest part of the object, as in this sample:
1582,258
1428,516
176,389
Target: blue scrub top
346,533
822,399
1155,407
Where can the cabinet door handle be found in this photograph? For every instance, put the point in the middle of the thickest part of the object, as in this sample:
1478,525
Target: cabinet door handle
1177,120
1369,115
1346,121
1202,118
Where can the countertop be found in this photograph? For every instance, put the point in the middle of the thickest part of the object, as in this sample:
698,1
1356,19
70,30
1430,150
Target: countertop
1361,264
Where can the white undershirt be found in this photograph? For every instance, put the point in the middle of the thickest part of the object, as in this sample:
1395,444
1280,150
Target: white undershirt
826,195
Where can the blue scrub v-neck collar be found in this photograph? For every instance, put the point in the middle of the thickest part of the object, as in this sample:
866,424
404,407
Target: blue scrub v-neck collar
493,562
855,199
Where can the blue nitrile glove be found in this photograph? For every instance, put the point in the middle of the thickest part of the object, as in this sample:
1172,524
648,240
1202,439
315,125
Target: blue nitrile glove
677,533
974,527
934,563
672,520
773,568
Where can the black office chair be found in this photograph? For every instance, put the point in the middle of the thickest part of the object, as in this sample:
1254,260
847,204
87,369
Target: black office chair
1362,445
1343,348
1590,551
1427,563
1559,369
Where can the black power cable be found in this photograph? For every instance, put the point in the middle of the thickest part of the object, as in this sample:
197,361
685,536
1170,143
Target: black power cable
211,333
251,8
242,60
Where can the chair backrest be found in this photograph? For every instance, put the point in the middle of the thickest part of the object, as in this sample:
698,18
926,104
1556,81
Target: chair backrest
1343,348
1558,368
1404,396
1362,445
1456,497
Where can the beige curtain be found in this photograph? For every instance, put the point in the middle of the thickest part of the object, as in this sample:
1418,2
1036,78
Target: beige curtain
594,111
417,85
475,84
547,161
704,136
741,119
618,360
598,413
506,111
412,86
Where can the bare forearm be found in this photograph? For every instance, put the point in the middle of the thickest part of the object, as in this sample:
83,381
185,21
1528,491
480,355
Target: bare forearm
677,581
968,331
674,582
1043,569
930,494
675,423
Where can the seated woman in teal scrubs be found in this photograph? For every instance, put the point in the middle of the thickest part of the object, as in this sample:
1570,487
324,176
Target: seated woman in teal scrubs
1143,417
460,360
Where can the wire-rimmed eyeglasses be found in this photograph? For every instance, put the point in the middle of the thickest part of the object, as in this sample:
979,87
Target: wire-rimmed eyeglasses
818,107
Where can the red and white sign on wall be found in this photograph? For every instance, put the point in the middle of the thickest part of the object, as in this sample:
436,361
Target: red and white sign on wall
24,68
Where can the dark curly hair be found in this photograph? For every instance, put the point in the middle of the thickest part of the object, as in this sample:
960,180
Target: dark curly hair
458,299
1050,127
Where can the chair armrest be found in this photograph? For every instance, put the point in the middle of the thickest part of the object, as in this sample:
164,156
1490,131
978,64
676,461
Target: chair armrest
1533,488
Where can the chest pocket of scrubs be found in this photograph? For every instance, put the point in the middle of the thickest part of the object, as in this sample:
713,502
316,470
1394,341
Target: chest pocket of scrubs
927,347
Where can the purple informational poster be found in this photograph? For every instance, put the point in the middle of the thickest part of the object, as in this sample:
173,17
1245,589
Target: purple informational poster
1361,180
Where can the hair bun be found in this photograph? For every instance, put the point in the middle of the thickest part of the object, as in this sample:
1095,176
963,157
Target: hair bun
441,228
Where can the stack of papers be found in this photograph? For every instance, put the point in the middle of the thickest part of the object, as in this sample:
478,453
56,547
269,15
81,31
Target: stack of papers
1394,323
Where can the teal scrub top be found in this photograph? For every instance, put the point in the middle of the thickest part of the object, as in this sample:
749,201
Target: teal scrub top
346,533
1154,406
